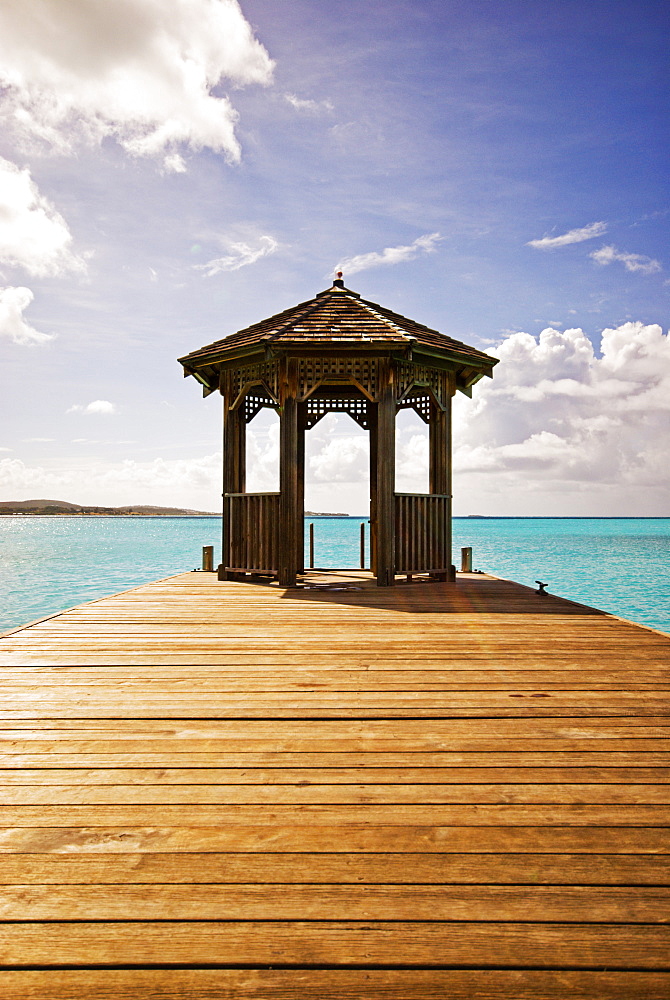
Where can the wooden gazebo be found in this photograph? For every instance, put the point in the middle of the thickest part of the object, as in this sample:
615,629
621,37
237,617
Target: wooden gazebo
337,352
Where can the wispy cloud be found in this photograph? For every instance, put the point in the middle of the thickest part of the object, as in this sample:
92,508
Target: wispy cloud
98,406
139,72
13,302
631,261
390,255
239,255
572,236
305,104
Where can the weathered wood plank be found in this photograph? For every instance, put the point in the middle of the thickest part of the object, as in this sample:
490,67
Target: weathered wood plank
415,733
288,943
346,838
468,779
311,793
520,710
538,758
345,984
237,676
583,904
400,869
371,815
269,701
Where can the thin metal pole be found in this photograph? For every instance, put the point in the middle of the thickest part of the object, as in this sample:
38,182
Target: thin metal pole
362,545
311,546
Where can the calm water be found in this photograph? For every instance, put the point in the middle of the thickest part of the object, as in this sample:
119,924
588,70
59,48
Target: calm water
50,563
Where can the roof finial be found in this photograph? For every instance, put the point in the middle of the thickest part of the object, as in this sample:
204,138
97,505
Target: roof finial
338,282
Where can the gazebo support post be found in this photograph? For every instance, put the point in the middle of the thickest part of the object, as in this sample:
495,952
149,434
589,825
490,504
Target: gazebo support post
289,477
373,410
440,465
234,470
300,469
384,477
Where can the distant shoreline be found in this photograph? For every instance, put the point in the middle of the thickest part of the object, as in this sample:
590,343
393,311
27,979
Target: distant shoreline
351,517
92,513
63,508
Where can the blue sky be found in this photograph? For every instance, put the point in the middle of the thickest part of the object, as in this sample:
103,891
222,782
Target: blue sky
171,172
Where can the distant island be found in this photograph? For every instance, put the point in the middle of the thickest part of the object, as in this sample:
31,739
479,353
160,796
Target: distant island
55,507
315,513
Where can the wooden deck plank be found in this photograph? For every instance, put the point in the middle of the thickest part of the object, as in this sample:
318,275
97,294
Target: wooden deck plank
363,795
342,868
337,943
462,792
347,984
346,838
419,678
394,814
576,904
546,757
467,779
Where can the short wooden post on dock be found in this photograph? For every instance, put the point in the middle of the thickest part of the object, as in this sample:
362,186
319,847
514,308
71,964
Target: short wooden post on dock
466,559
311,546
208,558
362,544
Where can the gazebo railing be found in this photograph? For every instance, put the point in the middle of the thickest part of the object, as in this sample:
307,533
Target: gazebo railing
422,533
252,532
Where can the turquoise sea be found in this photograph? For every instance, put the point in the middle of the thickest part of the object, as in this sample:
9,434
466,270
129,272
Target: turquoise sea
621,565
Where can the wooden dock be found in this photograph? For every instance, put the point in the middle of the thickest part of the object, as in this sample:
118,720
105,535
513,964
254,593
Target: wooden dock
426,792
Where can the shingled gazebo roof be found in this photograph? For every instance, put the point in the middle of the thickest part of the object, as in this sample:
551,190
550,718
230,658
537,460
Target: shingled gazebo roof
339,319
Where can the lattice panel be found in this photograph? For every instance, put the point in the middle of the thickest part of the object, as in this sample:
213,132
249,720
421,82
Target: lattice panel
419,403
356,407
408,374
264,371
315,370
254,401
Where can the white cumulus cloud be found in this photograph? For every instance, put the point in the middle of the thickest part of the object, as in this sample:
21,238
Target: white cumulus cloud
140,71
13,302
560,418
631,261
341,460
32,233
390,255
572,236
98,406
239,255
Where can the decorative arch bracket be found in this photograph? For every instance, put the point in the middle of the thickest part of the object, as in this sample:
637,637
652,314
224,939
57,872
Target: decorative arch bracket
419,397
253,397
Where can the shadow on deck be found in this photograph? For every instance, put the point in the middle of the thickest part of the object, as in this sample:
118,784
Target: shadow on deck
472,593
